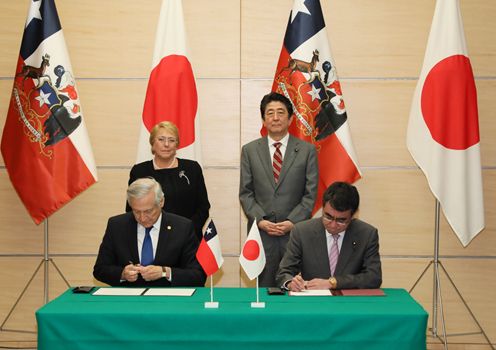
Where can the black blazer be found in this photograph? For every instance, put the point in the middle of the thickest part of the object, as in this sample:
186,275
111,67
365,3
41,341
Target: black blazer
177,246
184,189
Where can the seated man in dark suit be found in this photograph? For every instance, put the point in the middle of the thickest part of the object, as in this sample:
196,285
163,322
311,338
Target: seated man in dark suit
147,246
335,251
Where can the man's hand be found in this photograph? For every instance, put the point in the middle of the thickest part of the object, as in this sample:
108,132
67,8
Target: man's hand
285,226
151,272
275,229
130,272
297,284
318,283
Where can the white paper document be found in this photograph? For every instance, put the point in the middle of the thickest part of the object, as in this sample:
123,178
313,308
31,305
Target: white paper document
312,293
119,291
170,292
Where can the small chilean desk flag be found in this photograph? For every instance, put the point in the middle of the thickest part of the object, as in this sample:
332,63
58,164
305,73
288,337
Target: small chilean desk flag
443,130
307,75
209,253
45,145
252,257
171,94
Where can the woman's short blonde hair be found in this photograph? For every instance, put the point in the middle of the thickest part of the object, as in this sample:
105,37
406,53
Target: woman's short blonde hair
168,126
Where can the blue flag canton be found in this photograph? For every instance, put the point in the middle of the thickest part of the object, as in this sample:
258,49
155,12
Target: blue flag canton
38,30
304,25
210,232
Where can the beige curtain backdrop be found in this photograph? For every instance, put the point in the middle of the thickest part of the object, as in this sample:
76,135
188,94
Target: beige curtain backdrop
378,48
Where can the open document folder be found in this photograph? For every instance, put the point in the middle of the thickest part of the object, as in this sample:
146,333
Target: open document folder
176,292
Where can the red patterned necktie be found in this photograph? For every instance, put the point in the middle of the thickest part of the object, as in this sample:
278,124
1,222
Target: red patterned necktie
334,254
277,161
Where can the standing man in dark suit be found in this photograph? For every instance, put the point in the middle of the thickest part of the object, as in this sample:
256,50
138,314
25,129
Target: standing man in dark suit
147,246
278,183
336,251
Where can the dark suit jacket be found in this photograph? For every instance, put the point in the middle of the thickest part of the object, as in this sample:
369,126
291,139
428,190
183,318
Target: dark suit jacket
293,197
359,263
184,189
177,246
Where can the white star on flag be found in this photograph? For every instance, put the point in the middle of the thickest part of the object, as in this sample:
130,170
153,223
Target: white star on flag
34,12
43,98
299,6
315,93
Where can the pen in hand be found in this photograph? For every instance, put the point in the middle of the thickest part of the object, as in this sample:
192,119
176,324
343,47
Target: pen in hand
298,276
135,265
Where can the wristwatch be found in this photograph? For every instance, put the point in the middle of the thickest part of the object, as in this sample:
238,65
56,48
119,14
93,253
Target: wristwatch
164,272
333,282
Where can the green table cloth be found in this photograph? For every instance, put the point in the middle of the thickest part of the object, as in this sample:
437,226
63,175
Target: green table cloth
84,321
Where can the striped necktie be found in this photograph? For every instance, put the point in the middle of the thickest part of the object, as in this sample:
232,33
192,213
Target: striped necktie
277,161
334,254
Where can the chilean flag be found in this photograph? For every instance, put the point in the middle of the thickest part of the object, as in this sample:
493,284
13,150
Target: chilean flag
443,129
209,253
252,258
306,74
45,145
171,94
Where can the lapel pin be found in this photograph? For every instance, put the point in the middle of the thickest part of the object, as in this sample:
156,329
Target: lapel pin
168,227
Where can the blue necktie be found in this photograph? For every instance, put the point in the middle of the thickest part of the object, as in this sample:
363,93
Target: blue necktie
147,248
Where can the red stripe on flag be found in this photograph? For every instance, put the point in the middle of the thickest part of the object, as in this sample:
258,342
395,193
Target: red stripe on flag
43,182
206,258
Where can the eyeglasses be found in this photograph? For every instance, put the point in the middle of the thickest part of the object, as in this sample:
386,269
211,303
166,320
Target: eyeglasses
163,139
338,221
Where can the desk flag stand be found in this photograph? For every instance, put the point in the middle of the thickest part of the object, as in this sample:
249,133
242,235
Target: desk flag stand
258,304
437,300
45,263
211,304
209,256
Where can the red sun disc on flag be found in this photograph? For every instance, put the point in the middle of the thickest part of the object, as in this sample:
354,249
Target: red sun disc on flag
251,250
449,103
172,96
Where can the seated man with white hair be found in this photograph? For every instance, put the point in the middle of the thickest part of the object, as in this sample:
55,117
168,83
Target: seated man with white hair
147,246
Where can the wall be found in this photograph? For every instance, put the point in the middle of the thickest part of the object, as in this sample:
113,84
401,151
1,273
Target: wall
378,48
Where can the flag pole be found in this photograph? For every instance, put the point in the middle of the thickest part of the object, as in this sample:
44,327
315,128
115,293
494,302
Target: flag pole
45,262
211,304
211,289
437,301
257,291
258,304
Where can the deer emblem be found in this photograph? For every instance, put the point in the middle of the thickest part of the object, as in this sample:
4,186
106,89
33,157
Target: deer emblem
302,66
35,72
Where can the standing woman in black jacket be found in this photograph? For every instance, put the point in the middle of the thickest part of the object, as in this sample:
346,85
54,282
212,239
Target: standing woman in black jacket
181,179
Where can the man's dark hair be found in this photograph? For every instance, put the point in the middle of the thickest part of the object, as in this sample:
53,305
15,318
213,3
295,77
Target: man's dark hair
342,196
274,96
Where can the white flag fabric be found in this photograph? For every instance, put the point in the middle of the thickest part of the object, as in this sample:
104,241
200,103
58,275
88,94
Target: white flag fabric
252,257
443,129
171,94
